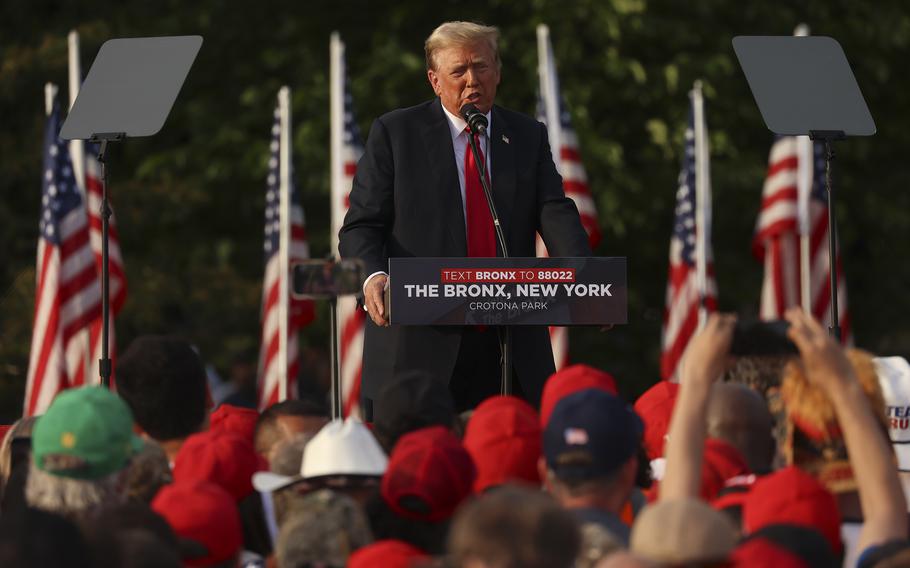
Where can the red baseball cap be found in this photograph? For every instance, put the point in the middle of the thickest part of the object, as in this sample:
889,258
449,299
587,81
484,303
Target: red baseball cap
734,494
236,419
762,553
386,553
204,513
428,476
792,496
221,457
503,437
655,406
570,380
721,462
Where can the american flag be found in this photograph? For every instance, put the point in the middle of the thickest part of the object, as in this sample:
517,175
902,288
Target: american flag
572,170
796,165
568,163
346,151
68,292
684,297
300,312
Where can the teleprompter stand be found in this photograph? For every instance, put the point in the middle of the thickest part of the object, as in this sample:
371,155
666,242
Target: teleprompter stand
804,86
129,92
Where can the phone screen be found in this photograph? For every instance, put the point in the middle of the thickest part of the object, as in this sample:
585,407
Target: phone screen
762,338
327,279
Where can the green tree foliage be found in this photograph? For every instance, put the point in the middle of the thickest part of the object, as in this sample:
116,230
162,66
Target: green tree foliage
189,200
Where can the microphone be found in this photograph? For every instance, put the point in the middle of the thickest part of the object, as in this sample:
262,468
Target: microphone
476,120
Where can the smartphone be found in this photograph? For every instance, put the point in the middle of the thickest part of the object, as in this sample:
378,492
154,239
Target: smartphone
762,338
326,278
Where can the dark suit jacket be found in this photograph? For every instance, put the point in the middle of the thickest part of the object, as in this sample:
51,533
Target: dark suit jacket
406,202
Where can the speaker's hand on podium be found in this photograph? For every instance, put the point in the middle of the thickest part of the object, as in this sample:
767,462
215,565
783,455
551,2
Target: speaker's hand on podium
373,299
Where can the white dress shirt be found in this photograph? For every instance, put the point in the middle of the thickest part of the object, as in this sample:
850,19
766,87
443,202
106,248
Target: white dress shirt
460,144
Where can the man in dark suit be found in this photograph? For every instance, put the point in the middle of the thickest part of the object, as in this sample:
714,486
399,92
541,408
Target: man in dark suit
417,194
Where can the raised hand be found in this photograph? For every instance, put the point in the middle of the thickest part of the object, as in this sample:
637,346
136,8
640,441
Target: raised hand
824,359
706,356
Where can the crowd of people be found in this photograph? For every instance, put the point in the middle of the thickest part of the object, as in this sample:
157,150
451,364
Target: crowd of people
782,462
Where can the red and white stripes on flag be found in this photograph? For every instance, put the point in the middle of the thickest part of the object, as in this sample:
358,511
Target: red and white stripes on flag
791,235
285,242
553,112
346,151
691,288
68,292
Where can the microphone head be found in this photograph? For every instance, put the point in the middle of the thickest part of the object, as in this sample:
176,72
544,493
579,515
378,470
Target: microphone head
476,120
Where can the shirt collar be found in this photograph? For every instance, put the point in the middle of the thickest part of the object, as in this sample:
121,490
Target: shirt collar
457,124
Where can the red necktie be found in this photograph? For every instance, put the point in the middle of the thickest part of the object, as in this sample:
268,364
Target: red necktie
481,238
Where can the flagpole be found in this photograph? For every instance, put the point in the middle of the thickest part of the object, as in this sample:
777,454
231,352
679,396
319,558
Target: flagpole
77,147
77,153
549,94
50,91
336,111
702,201
284,173
805,162
549,90
805,165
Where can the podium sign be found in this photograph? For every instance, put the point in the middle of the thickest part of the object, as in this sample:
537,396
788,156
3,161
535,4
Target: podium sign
508,291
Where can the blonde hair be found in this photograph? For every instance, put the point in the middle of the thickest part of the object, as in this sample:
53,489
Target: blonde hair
812,438
811,405
452,34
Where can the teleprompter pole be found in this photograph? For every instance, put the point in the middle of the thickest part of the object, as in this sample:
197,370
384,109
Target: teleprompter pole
829,136
104,363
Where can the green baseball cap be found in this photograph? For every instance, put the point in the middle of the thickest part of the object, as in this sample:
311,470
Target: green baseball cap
87,433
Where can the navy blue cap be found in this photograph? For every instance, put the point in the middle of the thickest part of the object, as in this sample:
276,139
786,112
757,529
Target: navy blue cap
590,434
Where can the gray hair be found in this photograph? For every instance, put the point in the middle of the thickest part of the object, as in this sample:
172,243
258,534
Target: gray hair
326,528
69,497
451,34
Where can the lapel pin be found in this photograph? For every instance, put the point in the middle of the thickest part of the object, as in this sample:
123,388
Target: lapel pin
505,138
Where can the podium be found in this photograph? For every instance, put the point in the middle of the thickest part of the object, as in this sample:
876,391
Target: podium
506,292
497,292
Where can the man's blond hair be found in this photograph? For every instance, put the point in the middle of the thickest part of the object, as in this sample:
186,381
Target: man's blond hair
451,34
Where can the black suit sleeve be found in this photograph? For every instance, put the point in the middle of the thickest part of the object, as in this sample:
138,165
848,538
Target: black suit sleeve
371,212
558,221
